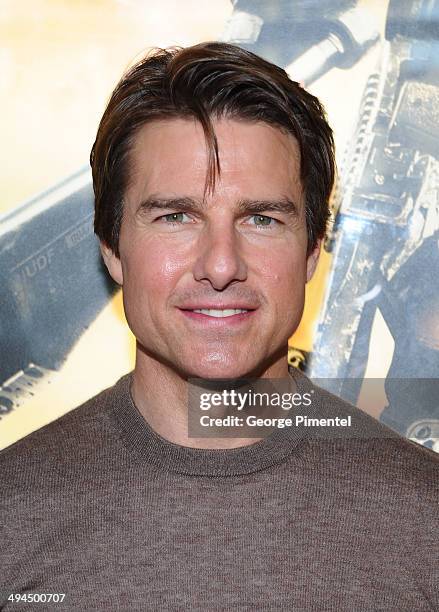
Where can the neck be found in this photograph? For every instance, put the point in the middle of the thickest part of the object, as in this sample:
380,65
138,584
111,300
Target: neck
160,394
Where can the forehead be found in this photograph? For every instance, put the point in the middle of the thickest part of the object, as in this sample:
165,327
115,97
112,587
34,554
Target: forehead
170,157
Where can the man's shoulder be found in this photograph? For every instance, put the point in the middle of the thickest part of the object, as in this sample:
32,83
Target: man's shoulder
72,433
373,452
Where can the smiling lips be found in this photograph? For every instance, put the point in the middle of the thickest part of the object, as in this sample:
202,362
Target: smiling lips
217,313
226,312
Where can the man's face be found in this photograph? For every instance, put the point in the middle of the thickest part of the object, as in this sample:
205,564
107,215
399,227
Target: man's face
213,288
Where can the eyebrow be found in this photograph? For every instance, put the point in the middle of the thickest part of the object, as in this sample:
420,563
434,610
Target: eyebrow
245,206
180,204
283,205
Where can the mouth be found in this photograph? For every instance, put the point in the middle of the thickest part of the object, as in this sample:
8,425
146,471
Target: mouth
218,315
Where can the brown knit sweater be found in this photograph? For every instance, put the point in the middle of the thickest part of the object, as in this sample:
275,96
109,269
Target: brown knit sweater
100,508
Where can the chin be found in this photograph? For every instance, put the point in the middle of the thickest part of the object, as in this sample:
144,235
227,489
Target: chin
212,371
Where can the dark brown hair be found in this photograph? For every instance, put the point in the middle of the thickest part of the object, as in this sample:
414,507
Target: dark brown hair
209,81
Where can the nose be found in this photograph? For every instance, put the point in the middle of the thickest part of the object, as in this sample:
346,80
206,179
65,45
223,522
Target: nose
219,260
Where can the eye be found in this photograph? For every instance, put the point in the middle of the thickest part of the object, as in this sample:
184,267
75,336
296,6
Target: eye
263,221
176,217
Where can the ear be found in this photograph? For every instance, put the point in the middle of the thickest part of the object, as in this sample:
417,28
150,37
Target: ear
312,260
112,262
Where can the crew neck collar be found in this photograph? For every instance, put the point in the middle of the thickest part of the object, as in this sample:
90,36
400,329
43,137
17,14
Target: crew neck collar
151,447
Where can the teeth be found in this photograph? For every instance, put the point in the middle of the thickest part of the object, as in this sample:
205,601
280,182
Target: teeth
220,313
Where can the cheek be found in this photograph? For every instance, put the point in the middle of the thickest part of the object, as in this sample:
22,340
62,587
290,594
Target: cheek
282,278
283,269
152,269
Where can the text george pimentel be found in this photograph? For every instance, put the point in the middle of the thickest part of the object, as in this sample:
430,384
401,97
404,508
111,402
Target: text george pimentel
253,421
